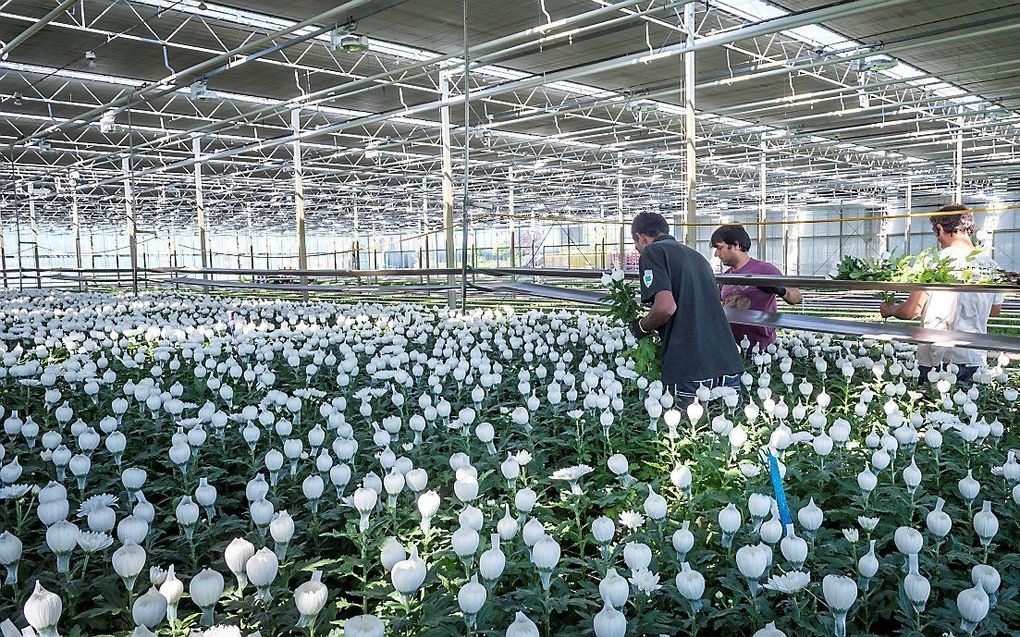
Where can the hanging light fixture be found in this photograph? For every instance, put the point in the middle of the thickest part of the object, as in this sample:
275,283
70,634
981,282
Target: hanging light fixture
343,38
877,63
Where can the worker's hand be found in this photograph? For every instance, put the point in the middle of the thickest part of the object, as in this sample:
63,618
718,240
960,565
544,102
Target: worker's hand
778,291
887,309
635,329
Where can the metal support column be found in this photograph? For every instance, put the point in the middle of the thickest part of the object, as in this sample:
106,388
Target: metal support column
786,233
690,130
129,211
958,172
76,227
619,210
200,206
18,244
762,196
427,260
356,244
465,205
513,221
33,224
299,200
251,243
447,168
534,235
907,221
3,250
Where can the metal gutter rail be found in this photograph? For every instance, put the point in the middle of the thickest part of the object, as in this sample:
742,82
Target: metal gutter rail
806,282
878,331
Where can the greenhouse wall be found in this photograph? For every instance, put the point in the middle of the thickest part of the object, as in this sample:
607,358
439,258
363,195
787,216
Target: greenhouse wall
798,247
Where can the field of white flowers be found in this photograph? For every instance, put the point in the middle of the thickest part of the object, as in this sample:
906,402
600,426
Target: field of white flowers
179,465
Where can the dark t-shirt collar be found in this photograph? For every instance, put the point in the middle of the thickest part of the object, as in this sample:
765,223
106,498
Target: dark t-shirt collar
664,237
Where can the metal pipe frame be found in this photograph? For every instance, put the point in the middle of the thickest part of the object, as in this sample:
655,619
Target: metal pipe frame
586,160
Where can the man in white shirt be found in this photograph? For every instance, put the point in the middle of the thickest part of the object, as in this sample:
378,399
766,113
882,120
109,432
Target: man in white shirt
960,311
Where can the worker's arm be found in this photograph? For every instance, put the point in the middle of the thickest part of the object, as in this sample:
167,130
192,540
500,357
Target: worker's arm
996,310
663,307
907,310
789,295
793,296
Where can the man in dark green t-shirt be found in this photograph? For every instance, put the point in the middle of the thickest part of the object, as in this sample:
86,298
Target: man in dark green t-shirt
697,345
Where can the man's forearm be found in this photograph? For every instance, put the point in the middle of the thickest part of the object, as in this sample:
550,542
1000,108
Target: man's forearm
655,319
793,296
901,312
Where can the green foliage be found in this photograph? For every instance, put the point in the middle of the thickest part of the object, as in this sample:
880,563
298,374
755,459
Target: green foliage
623,301
925,267
624,307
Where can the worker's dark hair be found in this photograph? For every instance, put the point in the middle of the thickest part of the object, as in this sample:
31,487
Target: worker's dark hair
650,224
733,236
957,219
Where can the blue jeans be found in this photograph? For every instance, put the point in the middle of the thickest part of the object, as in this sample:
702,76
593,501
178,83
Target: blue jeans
685,391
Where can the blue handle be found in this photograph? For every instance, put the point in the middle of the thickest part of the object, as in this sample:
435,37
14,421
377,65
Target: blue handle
780,493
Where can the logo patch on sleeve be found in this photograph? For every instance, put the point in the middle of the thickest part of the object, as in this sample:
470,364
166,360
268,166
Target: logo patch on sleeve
646,277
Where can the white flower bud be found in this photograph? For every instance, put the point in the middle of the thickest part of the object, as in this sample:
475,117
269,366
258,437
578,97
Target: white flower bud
149,609
690,583
471,596
840,592
42,610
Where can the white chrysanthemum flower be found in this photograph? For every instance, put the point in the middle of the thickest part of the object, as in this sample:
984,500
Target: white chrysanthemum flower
851,535
95,502
571,474
523,457
868,524
789,583
91,542
632,520
14,491
645,581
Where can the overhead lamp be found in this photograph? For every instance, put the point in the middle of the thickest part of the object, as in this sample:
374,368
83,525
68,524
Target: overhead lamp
643,106
879,62
344,39
372,148
90,57
485,135
17,98
200,91
108,122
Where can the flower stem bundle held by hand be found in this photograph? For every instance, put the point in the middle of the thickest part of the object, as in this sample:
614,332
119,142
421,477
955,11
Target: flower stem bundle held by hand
624,306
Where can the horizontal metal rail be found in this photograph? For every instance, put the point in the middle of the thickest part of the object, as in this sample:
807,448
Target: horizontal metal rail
878,331
806,282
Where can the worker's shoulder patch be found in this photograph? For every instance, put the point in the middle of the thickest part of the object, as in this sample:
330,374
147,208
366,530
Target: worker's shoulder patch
646,277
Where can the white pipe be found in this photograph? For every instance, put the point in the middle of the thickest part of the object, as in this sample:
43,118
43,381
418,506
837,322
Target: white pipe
39,24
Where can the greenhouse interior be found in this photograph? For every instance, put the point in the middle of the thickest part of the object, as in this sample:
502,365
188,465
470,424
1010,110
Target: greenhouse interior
429,318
